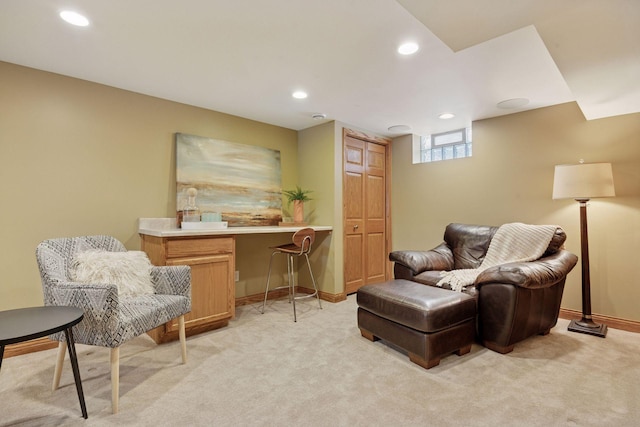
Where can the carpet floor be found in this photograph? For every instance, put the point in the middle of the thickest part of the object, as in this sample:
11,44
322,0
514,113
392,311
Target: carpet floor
266,370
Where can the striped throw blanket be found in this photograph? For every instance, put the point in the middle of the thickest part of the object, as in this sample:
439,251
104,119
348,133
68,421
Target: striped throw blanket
514,242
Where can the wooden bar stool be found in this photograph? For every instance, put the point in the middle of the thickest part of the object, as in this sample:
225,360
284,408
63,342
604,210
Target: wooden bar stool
301,246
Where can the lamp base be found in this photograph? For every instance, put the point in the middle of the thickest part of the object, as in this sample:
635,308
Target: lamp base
587,326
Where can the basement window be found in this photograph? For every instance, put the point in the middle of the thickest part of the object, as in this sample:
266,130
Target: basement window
454,144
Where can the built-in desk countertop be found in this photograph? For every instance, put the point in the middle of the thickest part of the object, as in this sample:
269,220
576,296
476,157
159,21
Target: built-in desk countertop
165,227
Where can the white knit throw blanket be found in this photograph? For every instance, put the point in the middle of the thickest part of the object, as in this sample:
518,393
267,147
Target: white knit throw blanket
514,242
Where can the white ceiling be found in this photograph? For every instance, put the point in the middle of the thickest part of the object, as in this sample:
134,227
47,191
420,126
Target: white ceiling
246,57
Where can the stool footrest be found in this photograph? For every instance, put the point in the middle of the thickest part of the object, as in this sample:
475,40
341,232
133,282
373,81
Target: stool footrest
426,323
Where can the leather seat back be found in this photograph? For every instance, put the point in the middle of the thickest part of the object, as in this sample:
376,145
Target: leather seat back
470,243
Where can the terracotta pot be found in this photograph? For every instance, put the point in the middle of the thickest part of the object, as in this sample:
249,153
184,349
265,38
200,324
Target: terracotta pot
298,211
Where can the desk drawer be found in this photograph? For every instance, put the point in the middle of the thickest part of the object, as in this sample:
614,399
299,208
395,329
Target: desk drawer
199,246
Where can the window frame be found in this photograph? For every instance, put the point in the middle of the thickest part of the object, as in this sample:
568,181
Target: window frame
432,151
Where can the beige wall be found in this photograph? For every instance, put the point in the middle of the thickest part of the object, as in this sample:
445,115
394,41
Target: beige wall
82,158
510,178
318,173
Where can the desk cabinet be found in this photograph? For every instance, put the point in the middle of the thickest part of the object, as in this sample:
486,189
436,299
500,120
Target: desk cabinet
212,262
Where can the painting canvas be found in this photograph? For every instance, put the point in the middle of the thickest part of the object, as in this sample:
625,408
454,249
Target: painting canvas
242,182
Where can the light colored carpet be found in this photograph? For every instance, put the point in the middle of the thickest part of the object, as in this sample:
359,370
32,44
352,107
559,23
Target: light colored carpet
267,370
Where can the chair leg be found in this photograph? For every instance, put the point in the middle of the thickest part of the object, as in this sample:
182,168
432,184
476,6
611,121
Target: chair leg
62,350
115,378
183,338
292,284
266,290
313,280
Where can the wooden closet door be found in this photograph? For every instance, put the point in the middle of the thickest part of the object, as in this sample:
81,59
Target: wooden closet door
365,213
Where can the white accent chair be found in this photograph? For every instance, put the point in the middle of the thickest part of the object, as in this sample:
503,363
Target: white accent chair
109,319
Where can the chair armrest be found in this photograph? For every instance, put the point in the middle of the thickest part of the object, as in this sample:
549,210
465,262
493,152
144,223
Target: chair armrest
65,293
99,302
541,273
172,280
438,258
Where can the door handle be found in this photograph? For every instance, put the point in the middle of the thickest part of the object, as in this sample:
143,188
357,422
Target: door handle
355,227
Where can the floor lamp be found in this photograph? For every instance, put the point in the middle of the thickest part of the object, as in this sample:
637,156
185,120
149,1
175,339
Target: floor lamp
582,182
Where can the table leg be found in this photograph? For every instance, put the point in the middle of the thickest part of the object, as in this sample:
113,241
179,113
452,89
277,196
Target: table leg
1,355
76,371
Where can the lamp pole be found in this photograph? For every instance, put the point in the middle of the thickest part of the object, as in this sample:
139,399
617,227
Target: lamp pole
586,325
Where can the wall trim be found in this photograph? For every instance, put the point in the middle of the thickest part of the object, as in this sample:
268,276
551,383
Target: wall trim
274,294
611,322
44,343
39,344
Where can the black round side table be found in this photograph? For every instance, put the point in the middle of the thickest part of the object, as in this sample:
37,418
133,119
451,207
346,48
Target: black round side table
25,324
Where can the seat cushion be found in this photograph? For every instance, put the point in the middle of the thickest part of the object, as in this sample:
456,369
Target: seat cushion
141,314
421,307
134,317
429,277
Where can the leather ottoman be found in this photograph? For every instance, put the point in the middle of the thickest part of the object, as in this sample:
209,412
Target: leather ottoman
426,321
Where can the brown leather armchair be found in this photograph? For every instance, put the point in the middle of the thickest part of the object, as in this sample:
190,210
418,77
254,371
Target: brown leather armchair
515,300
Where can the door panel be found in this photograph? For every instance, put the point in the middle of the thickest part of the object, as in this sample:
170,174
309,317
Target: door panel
375,197
376,258
209,302
354,262
376,159
353,191
354,153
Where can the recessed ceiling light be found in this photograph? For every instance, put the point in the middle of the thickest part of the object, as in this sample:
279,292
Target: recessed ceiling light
408,48
299,94
74,18
399,128
445,116
512,103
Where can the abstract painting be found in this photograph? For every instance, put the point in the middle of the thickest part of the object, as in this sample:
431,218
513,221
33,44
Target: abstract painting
242,182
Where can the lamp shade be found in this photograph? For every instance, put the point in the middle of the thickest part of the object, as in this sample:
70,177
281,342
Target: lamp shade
583,181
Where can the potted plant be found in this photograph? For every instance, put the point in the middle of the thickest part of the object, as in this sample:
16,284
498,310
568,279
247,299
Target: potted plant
298,197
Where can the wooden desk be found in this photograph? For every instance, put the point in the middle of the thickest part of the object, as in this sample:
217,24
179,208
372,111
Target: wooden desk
211,255
25,324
